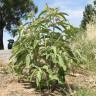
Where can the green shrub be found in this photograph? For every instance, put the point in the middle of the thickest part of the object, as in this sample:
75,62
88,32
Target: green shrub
42,52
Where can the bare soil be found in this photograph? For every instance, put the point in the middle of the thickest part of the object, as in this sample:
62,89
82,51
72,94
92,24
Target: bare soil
9,85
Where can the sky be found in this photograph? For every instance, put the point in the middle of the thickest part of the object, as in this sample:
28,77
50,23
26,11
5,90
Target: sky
74,8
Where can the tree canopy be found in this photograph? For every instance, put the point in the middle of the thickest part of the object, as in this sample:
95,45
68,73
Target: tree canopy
11,12
89,15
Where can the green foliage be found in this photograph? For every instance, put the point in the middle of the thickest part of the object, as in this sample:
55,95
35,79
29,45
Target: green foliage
11,14
72,32
42,52
87,15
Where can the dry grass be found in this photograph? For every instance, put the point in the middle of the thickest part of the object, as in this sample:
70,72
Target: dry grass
1,63
91,31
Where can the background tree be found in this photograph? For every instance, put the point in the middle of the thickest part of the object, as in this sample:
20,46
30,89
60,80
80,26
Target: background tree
11,13
87,15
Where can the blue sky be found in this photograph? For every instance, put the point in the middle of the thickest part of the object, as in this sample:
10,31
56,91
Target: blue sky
74,8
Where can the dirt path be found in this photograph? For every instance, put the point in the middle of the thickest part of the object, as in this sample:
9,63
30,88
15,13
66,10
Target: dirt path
9,85
84,81
5,55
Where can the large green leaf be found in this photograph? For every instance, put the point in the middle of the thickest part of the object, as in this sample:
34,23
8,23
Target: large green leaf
61,62
28,60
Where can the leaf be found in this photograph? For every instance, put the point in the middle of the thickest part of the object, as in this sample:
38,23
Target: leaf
38,77
35,43
28,61
47,56
45,67
57,28
62,14
33,74
54,50
53,77
42,13
61,63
